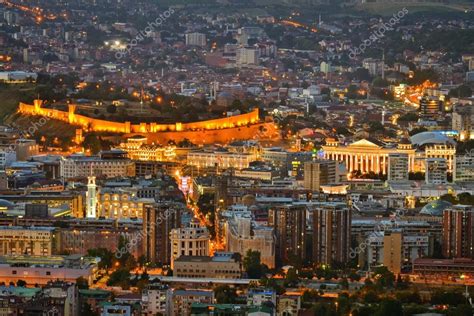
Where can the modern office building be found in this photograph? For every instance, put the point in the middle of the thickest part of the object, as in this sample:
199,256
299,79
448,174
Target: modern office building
458,232
42,270
80,235
331,233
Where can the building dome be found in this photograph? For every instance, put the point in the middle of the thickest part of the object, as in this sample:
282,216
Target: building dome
248,200
6,205
435,208
426,138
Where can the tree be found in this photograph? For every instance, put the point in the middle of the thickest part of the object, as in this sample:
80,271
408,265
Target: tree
105,256
253,265
389,307
384,278
465,199
408,117
92,143
292,278
82,283
120,277
225,294
111,108
21,283
463,91
375,127
323,308
449,198
371,297
361,74
344,283
379,82
417,131
462,310
86,309
309,297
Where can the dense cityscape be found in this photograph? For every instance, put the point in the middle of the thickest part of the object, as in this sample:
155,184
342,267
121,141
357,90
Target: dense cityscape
236,157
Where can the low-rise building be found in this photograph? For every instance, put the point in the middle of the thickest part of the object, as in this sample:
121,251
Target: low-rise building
154,299
179,301
32,241
41,270
80,166
223,265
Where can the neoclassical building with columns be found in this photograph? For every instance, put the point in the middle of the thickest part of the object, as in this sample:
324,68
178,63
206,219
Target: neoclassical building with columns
366,156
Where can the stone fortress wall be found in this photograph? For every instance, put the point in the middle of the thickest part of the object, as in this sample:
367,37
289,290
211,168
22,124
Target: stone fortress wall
92,124
239,127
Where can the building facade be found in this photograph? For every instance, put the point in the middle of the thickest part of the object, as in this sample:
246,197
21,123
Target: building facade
223,265
319,172
458,232
398,167
158,221
189,241
366,156
242,234
289,223
33,241
331,233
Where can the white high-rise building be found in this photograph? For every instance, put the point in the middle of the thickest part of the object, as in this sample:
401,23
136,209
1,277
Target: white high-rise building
91,197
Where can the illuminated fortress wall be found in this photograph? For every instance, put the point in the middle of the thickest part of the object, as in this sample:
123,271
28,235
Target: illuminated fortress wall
92,124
